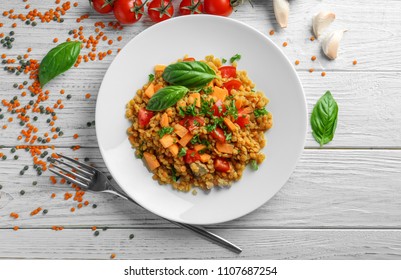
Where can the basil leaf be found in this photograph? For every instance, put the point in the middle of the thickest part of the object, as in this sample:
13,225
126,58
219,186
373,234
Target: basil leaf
235,57
182,152
58,60
324,119
166,97
260,112
190,74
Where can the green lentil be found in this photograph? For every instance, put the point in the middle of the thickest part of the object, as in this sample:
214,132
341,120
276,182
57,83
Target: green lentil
26,167
34,183
94,206
45,211
131,236
15,157
96,233
22,192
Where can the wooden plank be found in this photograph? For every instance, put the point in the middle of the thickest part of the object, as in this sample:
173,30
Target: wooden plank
179,244
367,24
369,115
329,189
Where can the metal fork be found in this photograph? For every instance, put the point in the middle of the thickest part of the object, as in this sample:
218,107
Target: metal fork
89,178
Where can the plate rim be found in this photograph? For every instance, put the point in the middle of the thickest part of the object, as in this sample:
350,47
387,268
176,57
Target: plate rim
299,83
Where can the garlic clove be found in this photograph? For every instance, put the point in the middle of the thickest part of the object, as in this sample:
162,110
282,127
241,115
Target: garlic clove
321,21
331,43
281,11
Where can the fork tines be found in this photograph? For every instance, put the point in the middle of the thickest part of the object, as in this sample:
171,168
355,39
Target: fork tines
80,174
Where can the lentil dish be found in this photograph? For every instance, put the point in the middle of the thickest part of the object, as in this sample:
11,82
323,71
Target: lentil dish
210,133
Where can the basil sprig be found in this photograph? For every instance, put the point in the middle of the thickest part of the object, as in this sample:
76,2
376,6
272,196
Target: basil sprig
58,60
166,97
324,119
190,74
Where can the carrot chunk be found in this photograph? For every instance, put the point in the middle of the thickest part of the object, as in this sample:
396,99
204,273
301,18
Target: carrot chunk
230,124
164,120
151,161
174,149
150,90
225,148
185,139
180,130
167,140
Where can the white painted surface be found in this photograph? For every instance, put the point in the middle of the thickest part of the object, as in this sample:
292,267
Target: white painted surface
343,201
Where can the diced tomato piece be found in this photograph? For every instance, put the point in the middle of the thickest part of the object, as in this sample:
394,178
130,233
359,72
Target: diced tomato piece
191,123
189,59
218,108
144,117
232,84
221,165
228,71
218,134
191,156
243,119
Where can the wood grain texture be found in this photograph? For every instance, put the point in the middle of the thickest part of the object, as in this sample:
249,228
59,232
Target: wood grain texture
369,115
342,202
329,189
371,38
159,243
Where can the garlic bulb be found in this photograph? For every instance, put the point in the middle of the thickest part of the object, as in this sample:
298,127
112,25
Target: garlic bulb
281,11
321,21
331,43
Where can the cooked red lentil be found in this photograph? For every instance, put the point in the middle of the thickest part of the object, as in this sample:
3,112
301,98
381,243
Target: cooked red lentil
209,137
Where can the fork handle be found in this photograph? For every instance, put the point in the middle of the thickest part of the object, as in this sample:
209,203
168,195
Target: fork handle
195,229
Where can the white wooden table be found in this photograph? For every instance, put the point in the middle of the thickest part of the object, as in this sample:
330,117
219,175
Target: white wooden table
342,201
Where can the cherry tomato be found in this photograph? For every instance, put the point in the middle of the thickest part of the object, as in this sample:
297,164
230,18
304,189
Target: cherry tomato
128,11
189,7
218,108
192,122
159,10
144,117
228,71
243,119
218,7
221,165
191,156
232,84
102,6
218,134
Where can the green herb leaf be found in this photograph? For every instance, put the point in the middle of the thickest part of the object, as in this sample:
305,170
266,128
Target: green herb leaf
223,60
235,57
207,90
228,136
324,119
232,110
254,165
206,107
260,112
166,97
165,130
182,152
190,74
195,139
151,78
174,174
190,110
58,60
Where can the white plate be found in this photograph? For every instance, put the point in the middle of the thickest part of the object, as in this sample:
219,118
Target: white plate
199,36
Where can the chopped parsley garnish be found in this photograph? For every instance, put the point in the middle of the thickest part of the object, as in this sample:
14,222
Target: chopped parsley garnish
254,165
215,122
207,90
151,78
174,174
232,110
182,152
223,60
228,136
260,112
190,110
206,107
235,57
195,139
165,130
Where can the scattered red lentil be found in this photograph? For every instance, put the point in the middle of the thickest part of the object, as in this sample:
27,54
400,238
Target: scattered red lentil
15,228
119,38
297,62
312,38
75,136
87,96
36,211
113,256
72,209
271,32
285,44
354,62
14,215
311,70
53,195
55,40
323,74
94,228
313,58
